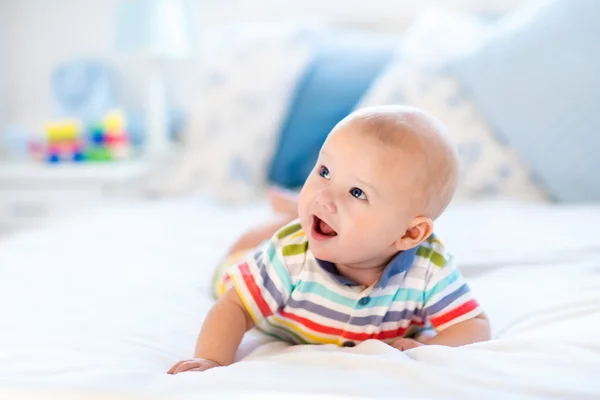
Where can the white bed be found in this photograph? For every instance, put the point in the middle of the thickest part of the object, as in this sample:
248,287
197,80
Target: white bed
104,304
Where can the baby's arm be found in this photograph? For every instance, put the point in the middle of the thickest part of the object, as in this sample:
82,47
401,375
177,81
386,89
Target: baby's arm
223,329
476,329
220,336
451,309
261,285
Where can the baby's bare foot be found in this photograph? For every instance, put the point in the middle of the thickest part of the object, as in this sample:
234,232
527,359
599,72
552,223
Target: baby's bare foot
283,201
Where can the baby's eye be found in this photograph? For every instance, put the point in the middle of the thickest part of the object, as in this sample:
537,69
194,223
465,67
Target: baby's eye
324,172
358,193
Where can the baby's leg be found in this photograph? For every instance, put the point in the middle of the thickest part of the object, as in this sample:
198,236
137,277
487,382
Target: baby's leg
243,247
256,236
283,201
220,280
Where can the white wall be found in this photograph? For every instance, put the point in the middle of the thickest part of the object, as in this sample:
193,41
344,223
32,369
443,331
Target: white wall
3,74
44,33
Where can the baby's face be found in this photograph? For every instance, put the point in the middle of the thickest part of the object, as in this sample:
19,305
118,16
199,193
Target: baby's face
357,202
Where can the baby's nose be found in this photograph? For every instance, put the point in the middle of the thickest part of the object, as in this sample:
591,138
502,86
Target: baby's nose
327,201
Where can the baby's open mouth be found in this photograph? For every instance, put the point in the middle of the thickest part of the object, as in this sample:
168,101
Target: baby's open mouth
322,228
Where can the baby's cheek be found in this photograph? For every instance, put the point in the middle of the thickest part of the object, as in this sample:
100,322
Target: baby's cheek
362,223
303,202
382,225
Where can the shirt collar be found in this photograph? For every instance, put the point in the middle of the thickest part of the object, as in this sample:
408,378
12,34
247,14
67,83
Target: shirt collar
397,265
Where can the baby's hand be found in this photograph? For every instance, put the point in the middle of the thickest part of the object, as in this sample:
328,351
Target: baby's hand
403,344
195,364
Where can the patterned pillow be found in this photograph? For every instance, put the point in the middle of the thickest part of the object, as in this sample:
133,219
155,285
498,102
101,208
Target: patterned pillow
537,82
488,169
245,81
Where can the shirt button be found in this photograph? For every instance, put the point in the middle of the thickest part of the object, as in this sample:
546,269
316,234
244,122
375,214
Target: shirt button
349,344
364,301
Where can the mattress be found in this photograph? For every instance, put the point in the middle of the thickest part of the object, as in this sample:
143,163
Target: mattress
105,303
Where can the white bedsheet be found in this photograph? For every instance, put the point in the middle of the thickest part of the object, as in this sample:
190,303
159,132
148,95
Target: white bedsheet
108,302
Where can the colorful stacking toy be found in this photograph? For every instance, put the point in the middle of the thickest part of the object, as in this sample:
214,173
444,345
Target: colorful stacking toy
72,140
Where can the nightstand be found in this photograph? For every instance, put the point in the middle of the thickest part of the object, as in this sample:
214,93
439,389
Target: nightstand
32,194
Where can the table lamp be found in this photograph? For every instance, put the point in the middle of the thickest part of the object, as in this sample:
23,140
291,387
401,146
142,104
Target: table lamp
158,30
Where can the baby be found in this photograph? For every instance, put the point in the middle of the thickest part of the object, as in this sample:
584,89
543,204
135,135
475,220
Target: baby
361,262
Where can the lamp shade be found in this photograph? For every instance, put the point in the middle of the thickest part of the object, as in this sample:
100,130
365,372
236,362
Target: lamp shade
156,28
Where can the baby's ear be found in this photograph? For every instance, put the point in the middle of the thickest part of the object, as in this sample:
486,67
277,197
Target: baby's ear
419,230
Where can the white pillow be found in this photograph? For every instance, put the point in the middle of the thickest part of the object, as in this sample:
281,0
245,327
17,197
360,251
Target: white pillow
488,168
244,85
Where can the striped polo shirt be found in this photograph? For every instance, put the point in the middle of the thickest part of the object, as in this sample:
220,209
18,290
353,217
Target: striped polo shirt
296,298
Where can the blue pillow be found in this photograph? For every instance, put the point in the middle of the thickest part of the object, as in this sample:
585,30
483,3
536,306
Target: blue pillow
538,84
344,66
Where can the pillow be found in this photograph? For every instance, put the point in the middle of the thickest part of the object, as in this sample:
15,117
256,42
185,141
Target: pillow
537,83
488,169
344,66
245,80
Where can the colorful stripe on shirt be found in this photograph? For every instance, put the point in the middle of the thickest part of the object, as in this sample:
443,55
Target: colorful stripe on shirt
291,296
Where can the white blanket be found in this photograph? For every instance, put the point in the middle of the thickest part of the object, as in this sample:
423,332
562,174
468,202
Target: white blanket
110,301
